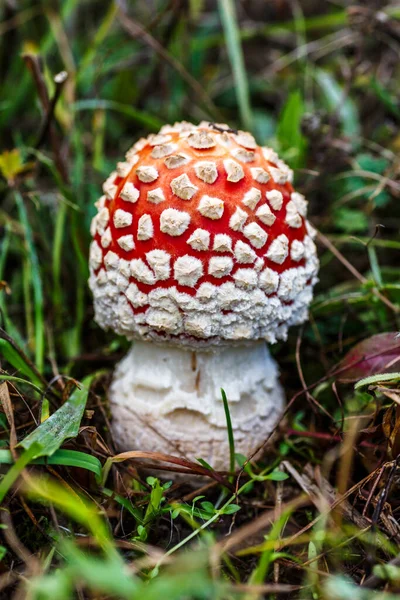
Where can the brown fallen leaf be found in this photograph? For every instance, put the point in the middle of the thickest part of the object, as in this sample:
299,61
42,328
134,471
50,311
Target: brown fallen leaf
377,354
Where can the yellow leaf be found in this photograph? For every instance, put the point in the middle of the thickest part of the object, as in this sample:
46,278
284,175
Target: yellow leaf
11,164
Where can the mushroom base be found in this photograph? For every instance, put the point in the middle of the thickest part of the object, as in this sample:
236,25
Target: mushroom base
168,399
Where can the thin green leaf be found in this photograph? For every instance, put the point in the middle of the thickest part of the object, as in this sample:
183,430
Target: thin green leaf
111,576
204,464
47,490
277,476
62,424
136,115
36,281
230,509
232,39
382,378
136,513
231,439
4,318
291,140
68,458
12,474
21,381
390,102
337,101
208,507
10,354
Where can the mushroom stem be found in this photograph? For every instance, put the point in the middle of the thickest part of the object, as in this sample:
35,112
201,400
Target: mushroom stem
169,399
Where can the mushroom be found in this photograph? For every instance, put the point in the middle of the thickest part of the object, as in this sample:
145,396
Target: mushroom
202,255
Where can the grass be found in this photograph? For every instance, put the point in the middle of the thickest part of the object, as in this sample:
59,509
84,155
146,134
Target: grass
317,516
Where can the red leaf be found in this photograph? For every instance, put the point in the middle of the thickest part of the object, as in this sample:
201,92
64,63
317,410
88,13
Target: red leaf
377,354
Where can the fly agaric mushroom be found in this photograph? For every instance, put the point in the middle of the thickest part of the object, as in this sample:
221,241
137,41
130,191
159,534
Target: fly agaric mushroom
201,253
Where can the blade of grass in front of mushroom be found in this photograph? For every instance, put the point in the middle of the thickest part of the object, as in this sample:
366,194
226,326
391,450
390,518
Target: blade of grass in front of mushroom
229,429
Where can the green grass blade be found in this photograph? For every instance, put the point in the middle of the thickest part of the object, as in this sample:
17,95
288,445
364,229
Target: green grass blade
139,116
111,575
57,252
291,140
21,381
136,513
374,379
73,458
62,424
232,39
10,354
230,432
36,282
6,321
66,458
101,34
12,474
47,490
337,101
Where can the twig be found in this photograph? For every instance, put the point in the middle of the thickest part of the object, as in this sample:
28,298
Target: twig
310,397
317,435
266,588
385,491
59,81
32,61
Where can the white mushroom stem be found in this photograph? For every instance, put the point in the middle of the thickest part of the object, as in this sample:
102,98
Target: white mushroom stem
168,399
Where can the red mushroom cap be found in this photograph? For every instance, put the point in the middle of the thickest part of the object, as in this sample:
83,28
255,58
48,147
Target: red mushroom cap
200,239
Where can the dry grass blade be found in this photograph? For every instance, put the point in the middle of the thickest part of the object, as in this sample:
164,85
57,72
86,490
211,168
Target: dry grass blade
6,403
187,466
325,496
268,588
